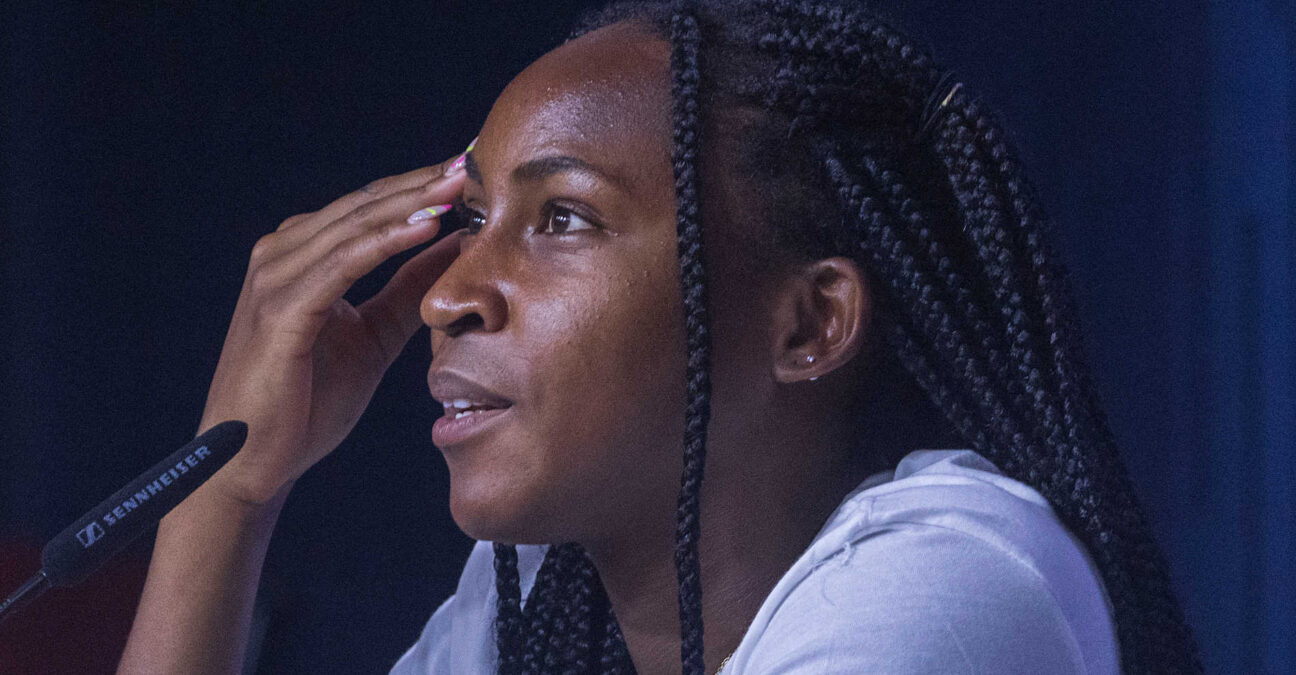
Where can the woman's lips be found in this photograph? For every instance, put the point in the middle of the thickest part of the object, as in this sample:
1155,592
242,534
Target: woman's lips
449,430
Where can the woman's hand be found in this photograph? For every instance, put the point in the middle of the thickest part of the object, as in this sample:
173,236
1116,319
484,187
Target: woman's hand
300,363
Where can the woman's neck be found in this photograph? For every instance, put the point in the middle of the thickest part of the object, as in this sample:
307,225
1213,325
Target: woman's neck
759,514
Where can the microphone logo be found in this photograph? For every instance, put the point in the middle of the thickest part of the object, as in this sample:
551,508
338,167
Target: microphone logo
90,534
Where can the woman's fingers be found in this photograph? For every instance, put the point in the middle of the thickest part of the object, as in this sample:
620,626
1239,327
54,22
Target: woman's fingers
368,224
336,268
393,314
382,188
393,209
301,227
299,362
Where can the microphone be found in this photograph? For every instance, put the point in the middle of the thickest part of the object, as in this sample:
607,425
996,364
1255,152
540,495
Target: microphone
106,529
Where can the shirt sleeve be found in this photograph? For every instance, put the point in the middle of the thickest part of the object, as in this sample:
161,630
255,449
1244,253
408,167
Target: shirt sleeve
918,598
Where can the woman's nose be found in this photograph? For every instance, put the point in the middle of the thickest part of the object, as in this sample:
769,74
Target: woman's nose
467,295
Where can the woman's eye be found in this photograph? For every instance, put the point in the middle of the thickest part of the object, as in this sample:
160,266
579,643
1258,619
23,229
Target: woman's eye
559,220
474,221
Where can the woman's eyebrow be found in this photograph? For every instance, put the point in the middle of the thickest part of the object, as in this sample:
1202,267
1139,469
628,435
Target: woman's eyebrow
538,169
534,170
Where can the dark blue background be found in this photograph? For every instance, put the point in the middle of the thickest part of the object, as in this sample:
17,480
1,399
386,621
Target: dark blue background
145,147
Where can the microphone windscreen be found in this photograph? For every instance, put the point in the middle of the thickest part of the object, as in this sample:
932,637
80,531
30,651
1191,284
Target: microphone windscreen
89,542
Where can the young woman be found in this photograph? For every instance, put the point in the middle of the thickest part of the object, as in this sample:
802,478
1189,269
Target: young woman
777,231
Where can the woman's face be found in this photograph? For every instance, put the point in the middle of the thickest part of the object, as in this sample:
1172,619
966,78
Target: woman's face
565,300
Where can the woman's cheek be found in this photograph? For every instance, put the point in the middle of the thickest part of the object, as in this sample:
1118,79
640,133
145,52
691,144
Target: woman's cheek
602,411
609,413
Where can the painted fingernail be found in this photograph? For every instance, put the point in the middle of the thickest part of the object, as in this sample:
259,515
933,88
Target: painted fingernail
457,165
429,213
459,162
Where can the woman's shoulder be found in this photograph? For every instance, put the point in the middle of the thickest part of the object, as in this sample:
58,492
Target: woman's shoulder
958,490
941,565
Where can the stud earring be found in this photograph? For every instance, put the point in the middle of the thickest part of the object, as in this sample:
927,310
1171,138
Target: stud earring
809,358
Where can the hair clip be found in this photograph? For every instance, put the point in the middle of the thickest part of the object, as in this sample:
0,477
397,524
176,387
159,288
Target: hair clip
939,98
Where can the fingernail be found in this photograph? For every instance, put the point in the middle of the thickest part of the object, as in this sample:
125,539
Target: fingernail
458,164
429,213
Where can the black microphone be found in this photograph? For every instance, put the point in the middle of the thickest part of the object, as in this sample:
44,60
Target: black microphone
106,529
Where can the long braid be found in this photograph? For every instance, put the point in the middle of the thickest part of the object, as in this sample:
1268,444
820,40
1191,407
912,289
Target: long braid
1086,478
985,224
541,607
508,611
1056,299
1095,501
907,281
951,229
615,658
685,40
580,589
1134,569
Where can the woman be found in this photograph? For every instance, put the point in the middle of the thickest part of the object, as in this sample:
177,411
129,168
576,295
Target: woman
874,283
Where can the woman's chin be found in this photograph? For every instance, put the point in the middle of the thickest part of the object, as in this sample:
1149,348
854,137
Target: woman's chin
498,515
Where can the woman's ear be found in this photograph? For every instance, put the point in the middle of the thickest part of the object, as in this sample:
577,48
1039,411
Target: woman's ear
821,319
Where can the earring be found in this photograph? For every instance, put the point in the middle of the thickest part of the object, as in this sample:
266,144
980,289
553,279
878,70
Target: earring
809,358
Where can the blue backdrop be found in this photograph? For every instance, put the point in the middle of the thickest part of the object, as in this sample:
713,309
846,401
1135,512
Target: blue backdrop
144,148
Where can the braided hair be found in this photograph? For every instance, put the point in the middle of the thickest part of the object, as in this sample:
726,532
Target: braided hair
971,299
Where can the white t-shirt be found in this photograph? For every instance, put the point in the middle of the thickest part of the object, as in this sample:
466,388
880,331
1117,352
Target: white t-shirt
943,565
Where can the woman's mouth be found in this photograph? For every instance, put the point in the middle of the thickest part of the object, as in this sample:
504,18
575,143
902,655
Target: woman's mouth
461,422
460,407
470,408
